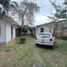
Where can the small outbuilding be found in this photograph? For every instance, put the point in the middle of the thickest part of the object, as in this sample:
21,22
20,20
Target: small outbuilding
7,29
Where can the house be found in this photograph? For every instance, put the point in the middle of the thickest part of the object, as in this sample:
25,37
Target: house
57,28
7,30
47,27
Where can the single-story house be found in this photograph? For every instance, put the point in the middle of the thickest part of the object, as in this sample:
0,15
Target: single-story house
47,27
7,30
58,28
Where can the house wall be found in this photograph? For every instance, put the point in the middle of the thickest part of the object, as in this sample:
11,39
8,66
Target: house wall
3,32
8,32
47,28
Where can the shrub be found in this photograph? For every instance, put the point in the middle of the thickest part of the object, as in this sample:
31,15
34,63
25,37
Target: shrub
21,40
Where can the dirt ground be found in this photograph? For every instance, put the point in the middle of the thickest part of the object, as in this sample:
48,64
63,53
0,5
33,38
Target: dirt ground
29,55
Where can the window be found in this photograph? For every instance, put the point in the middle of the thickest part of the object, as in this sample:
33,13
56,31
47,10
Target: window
0,29
42,30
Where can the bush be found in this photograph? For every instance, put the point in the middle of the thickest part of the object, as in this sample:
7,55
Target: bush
21,40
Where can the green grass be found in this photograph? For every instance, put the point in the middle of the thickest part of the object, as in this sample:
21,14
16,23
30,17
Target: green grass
57,56
25,55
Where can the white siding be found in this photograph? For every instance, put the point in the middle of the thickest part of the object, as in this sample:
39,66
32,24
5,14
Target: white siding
3,32
5,36
47,28
8,33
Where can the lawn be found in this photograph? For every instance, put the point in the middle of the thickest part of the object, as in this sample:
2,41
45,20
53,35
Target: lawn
27,55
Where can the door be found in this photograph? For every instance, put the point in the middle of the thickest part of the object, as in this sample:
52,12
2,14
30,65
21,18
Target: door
11,32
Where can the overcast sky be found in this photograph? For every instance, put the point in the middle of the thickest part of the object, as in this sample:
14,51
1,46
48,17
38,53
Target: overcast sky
46,9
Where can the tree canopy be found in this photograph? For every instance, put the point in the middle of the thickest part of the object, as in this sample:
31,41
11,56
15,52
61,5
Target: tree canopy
61,10
5,4
26,11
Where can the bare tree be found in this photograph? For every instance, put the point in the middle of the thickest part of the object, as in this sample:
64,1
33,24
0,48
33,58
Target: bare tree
26,11
61,13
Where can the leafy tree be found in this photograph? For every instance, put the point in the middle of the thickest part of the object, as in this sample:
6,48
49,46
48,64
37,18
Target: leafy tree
61,10
5,4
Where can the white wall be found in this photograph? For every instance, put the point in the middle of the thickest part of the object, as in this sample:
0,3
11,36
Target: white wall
3,32
8,32
47,28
